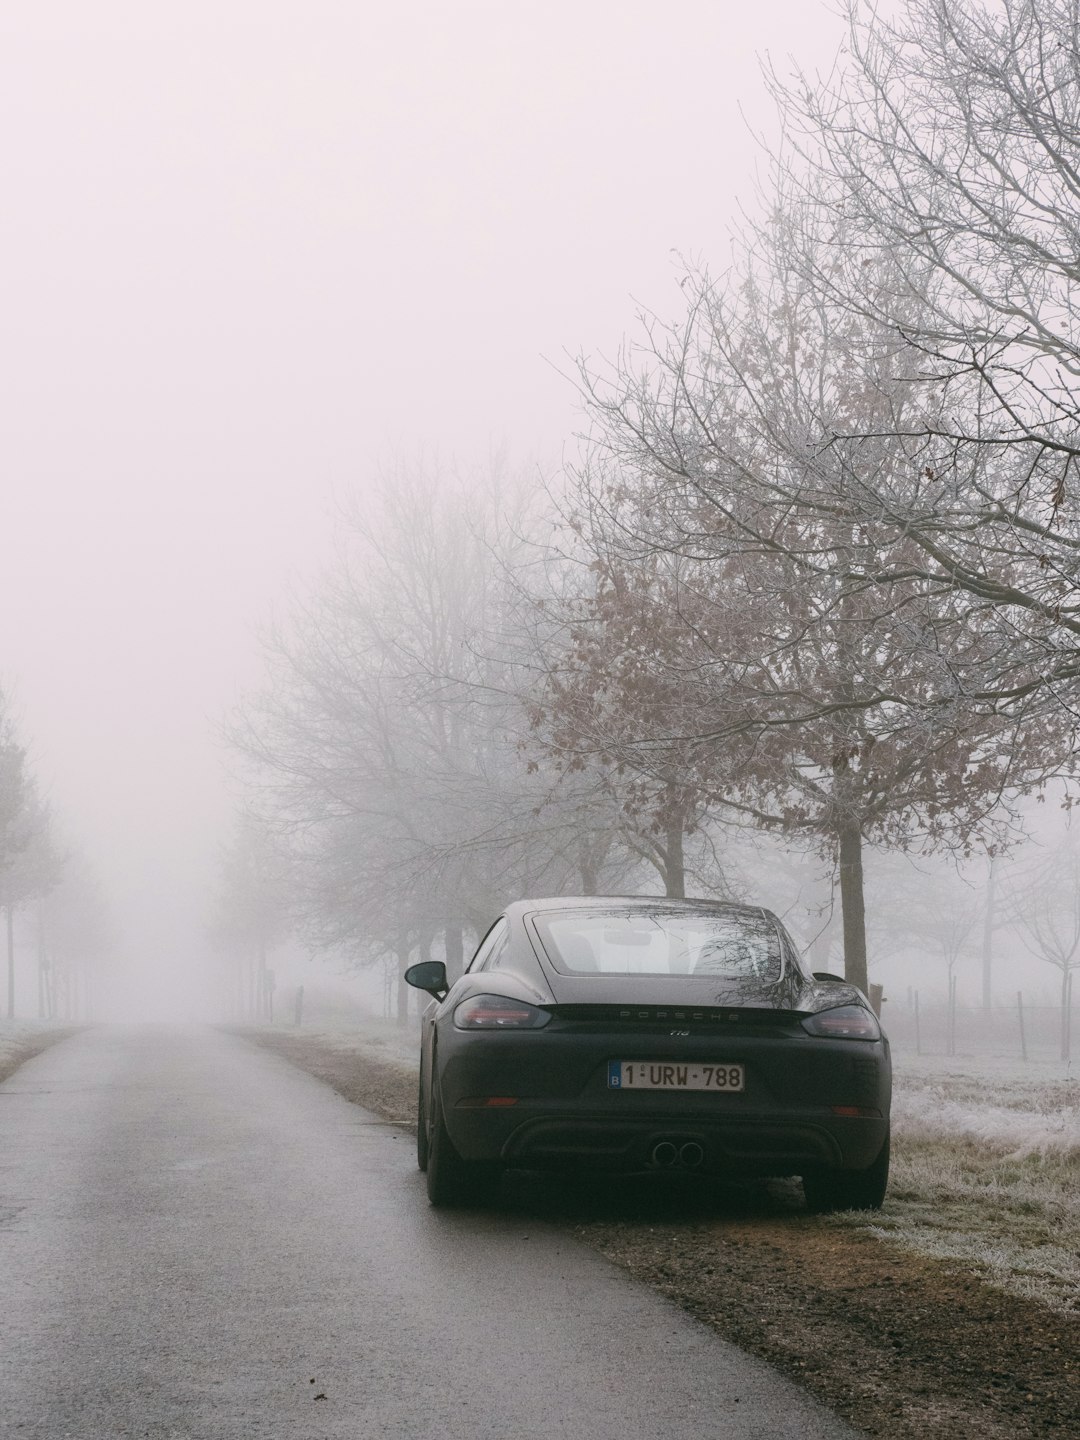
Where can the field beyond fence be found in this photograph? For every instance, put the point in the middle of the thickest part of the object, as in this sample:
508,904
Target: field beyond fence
1017,1030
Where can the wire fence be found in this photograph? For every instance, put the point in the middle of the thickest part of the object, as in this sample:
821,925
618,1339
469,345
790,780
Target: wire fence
1017,1028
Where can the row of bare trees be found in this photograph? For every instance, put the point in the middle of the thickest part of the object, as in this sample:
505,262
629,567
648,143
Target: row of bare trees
395,788
815,570
29,863
849,462
50,900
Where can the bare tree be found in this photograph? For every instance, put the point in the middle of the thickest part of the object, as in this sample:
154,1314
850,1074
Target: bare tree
389,745
29,862
840,700
607,686
1044,907
948,141
15,790
76,938
35,867
941,913
249,914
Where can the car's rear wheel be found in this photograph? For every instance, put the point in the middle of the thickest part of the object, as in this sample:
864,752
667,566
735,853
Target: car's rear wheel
450,1179
829,1190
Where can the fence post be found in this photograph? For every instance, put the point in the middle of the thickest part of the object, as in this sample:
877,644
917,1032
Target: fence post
298,1008
1020,1013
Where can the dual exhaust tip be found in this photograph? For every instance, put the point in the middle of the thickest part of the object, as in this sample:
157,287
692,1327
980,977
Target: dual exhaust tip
667,1155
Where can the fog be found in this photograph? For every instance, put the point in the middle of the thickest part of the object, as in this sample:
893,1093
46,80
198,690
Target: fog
460,453
256,257
251,251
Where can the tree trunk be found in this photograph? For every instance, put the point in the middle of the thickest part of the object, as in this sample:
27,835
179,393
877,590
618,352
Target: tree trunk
41,961
593,850
853,907
454,949
988,943
403,955
588,872
49,989
11,962
674,867
263,986
1066,1012
417,997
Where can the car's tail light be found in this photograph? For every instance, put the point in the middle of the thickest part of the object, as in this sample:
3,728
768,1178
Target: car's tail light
845,1022
498,1012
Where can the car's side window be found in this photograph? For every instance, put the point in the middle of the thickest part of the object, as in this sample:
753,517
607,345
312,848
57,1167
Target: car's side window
491,942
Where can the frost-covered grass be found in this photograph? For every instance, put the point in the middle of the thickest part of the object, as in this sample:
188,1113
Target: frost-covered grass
379,1038
19,1038
986,1173
1022,1110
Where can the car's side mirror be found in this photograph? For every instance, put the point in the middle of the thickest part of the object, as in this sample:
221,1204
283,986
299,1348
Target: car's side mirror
429,975
818,975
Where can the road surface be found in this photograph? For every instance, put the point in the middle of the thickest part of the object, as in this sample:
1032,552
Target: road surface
197,1240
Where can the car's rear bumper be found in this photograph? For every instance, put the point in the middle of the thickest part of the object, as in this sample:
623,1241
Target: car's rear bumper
542,1099
531,1136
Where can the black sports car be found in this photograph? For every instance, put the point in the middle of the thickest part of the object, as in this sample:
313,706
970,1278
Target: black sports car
623,1035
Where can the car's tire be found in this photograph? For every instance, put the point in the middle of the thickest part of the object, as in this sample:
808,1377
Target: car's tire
421,1125
452,1181
830,1190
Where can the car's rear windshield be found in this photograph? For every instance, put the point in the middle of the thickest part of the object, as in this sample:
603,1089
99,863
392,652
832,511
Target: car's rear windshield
737,943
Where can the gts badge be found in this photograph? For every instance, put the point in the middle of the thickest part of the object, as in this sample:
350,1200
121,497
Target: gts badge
678,1032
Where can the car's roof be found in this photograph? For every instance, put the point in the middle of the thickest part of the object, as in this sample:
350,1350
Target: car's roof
635,902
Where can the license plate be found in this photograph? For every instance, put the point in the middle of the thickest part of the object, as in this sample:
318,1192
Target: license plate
664,1075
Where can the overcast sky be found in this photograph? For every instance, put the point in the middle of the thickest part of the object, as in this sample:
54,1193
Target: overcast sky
250,248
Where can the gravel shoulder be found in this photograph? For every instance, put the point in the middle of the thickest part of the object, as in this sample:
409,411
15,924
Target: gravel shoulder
898,1342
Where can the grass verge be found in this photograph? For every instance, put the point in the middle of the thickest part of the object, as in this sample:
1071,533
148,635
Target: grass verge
22,1039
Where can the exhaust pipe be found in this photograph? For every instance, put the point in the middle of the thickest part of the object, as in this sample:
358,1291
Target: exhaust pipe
691,1155
664,1155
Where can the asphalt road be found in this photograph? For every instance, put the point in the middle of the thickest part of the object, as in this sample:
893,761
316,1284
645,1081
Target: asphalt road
197,1240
